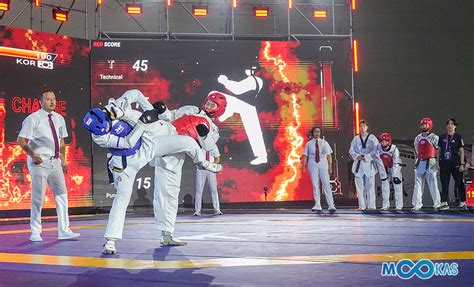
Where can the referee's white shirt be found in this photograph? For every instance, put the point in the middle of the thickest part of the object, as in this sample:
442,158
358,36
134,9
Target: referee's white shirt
37,130
324,150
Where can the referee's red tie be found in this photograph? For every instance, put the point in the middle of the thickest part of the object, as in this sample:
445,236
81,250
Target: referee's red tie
55,136
317,151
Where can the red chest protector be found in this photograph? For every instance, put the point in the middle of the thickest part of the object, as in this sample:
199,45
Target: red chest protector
425,149
186,125
387,159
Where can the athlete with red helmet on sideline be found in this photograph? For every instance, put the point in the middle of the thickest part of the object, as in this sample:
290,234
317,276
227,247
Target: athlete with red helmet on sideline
426,145
390,156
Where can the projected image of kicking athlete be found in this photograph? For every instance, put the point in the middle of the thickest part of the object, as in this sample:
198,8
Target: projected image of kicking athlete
247,112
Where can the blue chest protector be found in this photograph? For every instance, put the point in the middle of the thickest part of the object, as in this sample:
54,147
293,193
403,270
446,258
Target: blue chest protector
122,129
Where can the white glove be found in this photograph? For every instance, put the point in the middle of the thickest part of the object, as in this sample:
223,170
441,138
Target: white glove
117,112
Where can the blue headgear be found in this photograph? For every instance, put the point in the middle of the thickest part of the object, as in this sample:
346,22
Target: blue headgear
96,122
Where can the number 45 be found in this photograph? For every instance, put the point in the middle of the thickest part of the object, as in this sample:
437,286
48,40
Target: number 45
141,65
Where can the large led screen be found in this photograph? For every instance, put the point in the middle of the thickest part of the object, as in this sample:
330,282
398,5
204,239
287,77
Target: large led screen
30,62
276,92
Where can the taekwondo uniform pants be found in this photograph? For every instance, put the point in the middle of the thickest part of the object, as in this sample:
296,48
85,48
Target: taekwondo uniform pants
398,189
168,171
365,186
426,170
123,181
201,176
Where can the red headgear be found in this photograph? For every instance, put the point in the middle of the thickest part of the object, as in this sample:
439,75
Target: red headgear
427,121
221,102
386,137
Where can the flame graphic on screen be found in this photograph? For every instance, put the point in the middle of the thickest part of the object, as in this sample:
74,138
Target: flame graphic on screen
9,193
291,125
15,180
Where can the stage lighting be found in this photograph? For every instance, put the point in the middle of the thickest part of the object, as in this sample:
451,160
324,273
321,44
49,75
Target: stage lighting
261,11
319,14
134,9
4,5
37,3
168,2
234,3
357,117
356,56
60,15
199,10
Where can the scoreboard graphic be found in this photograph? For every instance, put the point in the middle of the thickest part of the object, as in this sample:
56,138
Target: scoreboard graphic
37,59
276,91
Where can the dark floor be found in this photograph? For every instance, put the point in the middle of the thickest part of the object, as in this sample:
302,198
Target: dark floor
259,249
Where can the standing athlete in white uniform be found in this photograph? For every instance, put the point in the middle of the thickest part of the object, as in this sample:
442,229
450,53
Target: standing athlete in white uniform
132,149
201,177
188,120
363,152
42,138
317,153
390,156
426,147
